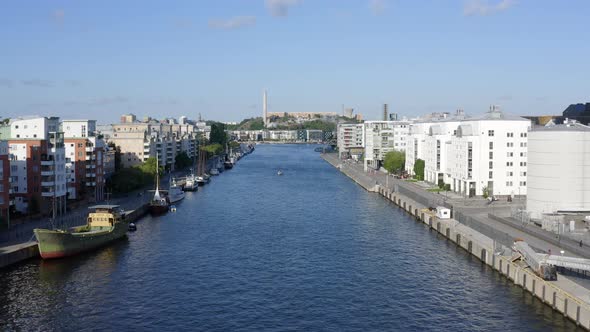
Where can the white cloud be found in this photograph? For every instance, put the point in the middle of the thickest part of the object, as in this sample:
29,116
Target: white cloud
486,7
280,8
233,23
377,6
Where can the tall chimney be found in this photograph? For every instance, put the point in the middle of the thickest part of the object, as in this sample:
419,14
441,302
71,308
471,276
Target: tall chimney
384,112
264,109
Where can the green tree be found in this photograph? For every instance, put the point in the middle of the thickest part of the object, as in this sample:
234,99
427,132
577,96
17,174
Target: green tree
149,167
218,134
182,160
213,149
419,169
394,161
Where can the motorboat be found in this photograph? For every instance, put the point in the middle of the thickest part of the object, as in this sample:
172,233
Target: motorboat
175,193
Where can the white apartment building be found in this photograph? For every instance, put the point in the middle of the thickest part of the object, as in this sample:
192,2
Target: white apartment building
350,139
380,138
558,168
37,164
473,155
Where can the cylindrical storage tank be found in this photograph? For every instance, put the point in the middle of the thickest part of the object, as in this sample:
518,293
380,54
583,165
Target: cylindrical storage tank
558,174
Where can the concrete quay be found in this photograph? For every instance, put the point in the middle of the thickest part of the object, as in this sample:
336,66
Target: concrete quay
564,295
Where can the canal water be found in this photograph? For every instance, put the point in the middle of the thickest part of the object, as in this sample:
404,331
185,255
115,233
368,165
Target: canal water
306,251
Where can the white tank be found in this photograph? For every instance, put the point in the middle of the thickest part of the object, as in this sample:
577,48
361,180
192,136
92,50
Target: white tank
558,175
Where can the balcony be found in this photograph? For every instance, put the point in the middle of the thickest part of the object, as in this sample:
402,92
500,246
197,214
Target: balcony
90,175
92,157
47,183
89,149
90,166
90,184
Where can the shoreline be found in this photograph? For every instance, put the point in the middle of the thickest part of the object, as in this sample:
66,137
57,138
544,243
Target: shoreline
485,249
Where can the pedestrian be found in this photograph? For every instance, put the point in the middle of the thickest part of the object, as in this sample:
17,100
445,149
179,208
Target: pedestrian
581,243
549,251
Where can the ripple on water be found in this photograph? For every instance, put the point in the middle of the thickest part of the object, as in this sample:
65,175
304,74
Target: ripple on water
309,250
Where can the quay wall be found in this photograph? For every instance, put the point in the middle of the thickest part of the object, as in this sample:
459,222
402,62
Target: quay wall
485,248
24,251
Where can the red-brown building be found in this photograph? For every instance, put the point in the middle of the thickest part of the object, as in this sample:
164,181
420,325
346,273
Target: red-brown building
4,180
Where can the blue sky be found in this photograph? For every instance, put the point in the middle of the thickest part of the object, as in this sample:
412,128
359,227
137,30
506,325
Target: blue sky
83,59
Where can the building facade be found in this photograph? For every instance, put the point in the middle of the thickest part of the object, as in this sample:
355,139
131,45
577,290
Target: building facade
350,140
4,180
381,137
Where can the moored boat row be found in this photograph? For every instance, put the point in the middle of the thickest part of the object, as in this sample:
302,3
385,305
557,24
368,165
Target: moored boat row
106,223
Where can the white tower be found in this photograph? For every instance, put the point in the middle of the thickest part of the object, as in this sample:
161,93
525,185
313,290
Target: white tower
264,109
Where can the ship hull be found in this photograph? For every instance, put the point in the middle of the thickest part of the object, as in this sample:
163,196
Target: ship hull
57,244
156,210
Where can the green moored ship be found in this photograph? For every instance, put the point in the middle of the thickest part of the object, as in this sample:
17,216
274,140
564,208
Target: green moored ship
104,225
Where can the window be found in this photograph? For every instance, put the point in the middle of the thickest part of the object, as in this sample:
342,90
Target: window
523,154
509,173
522,173
522,134
491,155
522,144
522,183
523,163
508,163
490,133
13,168
491,145
491,164
491,174
79,145
509,134
510,154
509,144
508,183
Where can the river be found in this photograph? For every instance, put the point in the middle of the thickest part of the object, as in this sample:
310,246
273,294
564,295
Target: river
306,251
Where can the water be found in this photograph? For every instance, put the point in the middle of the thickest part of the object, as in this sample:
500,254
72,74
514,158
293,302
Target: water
306,251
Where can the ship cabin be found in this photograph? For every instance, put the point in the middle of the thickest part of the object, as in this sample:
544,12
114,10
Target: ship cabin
104,216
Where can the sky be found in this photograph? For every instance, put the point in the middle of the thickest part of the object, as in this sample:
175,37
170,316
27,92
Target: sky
100,59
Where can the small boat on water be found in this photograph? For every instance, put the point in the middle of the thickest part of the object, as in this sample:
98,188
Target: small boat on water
132,227
175,193
105,224
158,205
228,164
279,173
201,180
214,171
191,183
172,208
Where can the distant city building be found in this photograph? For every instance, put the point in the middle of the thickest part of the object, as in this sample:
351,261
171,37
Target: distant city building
303,115
182,120
381,137
558,168
128,118
350,140
264,109
347,113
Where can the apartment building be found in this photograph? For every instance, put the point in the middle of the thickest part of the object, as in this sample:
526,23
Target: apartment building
381,137
139,141
4,180
84,160
350,140
37,165
486,154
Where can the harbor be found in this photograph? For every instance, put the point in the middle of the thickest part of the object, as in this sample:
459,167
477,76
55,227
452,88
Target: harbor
341,256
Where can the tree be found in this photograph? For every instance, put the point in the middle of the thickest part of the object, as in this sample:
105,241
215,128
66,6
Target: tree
149,167
182,160
394,161
212,148
419,169
218,134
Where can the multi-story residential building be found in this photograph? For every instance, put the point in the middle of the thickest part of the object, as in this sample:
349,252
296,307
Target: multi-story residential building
314,135
37,165
558,164
139,141
84,160
380,138
487,154
4,180
350,140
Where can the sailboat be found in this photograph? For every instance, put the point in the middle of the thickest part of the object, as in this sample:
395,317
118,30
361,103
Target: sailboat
202,178
158,204
190,183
